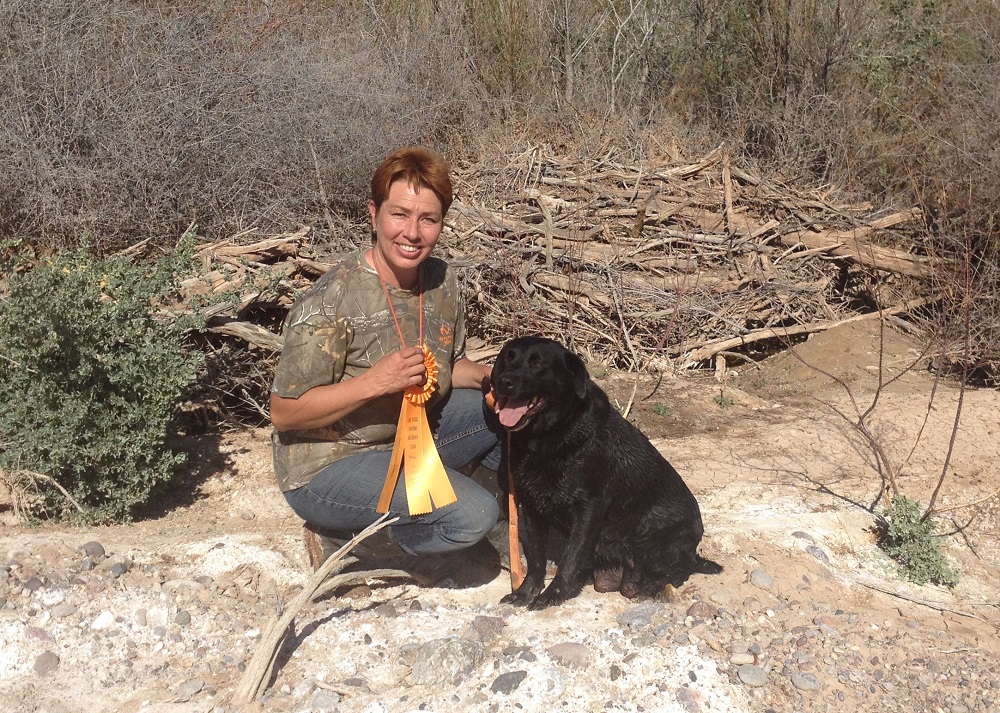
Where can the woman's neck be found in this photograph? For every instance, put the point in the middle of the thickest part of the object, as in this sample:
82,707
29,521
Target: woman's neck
386,274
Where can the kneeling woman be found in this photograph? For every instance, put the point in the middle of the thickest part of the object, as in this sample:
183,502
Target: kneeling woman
353,343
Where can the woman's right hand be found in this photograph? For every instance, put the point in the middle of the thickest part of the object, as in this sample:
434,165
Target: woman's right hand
398,371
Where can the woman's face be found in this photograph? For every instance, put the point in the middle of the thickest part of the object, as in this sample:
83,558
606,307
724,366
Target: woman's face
407,227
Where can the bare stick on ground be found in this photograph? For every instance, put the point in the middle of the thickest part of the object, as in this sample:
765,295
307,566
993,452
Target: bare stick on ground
253,683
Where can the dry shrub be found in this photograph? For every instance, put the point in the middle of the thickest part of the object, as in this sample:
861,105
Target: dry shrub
125,119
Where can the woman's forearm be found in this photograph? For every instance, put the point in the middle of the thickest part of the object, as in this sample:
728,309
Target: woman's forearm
321,405
468,374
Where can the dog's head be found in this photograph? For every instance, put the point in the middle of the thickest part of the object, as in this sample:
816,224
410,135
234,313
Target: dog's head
537,381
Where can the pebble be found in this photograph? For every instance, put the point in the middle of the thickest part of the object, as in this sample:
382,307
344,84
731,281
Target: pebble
688,699
325,700
805,681
818,554
761,579
570,653
46,662
722,597
118,569
65,609
507,683
702,610
37,633
753,676
190,688
485,628
93,549
443,660
104,620
639,616
182,618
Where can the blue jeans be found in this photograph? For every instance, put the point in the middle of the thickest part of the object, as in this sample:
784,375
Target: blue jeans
344,495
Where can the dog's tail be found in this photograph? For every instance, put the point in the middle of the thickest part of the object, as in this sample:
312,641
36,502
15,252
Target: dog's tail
706,566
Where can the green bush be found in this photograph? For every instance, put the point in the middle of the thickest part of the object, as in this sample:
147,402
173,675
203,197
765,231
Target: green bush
911,542
89,378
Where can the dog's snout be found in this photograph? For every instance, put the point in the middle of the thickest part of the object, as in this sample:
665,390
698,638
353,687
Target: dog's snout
503,383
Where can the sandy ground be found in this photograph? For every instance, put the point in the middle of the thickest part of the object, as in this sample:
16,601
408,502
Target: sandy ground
786,484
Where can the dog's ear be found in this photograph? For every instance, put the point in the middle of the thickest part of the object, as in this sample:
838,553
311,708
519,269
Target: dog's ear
578,373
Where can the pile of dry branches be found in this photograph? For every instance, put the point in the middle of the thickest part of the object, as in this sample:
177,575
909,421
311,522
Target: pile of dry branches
659,266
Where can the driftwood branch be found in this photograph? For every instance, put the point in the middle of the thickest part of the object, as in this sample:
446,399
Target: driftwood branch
254,680
707,351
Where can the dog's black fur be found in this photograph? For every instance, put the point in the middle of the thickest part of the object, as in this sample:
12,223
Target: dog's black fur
581,468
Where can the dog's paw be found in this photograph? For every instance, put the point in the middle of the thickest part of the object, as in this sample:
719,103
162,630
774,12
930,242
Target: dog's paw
552,596
518,599
523,595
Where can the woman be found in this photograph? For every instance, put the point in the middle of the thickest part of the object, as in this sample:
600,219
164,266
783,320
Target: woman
352,346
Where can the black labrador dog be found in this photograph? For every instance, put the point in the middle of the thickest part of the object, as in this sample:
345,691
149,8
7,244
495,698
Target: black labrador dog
581,469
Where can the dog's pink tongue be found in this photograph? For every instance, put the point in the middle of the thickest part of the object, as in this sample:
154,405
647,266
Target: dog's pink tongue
510,415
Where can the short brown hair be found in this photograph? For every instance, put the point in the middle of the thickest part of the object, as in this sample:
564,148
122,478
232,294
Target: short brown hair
420,168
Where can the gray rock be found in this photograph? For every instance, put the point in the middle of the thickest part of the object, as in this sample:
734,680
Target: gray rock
753,676
639,616
190,688
688,699
507,683
444,660
570,653
485,628
803,536
182,618
303,688
722,596
818,554
761,579
34,584
37,633
46,662
118,569
93,549
65,609
702,610
805,681
325,700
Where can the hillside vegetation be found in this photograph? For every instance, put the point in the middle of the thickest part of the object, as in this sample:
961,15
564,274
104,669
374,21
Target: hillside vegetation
693,127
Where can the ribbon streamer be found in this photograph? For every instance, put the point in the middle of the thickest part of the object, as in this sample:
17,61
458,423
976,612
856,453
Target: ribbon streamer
427,484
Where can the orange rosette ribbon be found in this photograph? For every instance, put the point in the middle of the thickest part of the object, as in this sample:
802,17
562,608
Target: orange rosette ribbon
427,484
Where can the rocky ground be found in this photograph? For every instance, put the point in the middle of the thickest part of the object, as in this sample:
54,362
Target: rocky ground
809,615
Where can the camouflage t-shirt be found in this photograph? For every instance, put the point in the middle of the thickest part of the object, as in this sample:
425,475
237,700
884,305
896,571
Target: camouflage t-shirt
337,330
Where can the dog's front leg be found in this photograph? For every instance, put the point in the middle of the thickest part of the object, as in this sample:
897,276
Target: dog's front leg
579,549
534,535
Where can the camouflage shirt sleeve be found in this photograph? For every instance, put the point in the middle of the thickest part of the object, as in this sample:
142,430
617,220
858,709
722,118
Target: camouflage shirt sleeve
315,340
